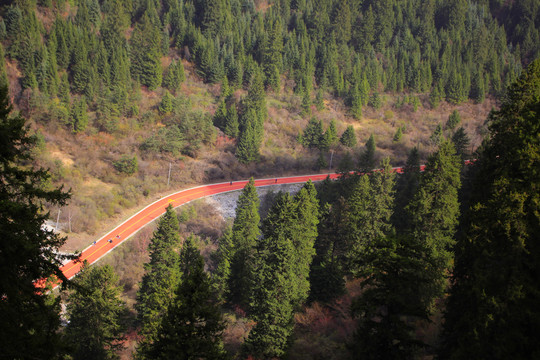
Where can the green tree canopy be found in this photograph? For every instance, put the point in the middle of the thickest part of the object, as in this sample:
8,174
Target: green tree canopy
28,251
192,326
160,280
97,314
492,311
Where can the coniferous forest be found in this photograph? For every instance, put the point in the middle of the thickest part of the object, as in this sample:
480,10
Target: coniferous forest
106,105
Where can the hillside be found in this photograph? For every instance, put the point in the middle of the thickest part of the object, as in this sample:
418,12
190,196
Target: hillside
128,100
74,72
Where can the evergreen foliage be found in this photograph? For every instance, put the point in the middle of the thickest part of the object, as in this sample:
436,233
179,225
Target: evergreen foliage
406,187
162,276
245,231
453,120
368,212
313,134
348,138
97,314
28,252
492,312
192,326
367,158
274,283
434,212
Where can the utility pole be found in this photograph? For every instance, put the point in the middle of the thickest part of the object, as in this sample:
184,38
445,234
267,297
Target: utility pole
57,220
169,177
331,158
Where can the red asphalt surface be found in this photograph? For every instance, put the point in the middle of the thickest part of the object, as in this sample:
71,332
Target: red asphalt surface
151,212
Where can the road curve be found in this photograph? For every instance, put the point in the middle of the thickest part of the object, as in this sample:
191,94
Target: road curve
151,212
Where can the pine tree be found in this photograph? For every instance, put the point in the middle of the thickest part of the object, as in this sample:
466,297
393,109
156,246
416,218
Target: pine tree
437,137
246,149
326,273
367,159
392,301
461,141
435,211
97,314
166,105
453,120
79,116
273,284
313,134
245,232
192,327
160,280
231,122
492,311
306,104
330,135
348,138
28,252
222,273
369,208
174,76
303,232
356,103
406,186
319,100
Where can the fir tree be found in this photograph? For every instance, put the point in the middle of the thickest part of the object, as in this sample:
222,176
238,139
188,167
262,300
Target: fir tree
223,257
273,284
79,116
313,134
369,208
453,120
166,105
348,138
330,135
28,252
435,210
406,186
245,232
192,327
160,280
492,312
97,314
231,122
367,158
461,141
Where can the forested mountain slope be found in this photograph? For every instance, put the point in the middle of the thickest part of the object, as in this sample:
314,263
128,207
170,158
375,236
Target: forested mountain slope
119,90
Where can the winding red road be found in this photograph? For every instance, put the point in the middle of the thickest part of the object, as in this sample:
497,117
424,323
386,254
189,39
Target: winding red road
151,212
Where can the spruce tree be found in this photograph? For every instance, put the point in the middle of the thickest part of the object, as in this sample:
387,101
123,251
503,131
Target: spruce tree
303,232
330,135
392,301
348,138
166,105
274,284
222,273
326,272
367,158
192,326
435,211
28,252
406,186
453,120
96,314
492,310
368,212
313,134
231,122
160,280
461,141
245,232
